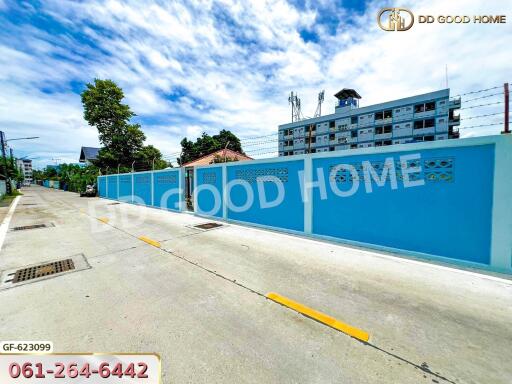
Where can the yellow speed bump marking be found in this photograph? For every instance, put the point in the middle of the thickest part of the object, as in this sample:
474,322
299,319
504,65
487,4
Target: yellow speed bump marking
152,242
319,316
103,219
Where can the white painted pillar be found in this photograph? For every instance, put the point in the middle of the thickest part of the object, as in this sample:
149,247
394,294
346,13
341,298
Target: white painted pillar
194,193
308,194
501,242
224,191
133,187
152,189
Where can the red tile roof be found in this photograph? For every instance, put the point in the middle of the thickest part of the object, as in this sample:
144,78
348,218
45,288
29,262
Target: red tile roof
208,159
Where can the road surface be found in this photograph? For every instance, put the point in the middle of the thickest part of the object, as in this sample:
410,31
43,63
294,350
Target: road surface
197,298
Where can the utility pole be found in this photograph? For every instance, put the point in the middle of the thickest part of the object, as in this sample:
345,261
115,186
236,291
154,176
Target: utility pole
507,102
309,138
225,148
8,189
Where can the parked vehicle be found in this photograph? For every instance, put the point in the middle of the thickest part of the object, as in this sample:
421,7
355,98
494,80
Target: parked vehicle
90,191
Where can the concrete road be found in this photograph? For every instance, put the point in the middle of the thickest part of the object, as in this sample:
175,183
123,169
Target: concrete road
199,300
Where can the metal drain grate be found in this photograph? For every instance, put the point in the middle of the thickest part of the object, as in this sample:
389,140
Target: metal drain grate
43,270
208,225
29,227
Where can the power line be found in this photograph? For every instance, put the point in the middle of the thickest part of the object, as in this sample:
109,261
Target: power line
482,125
479,116
481,105
261,142
256,137
482,97
478,91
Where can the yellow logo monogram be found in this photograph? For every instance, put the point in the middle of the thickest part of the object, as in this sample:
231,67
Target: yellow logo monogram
395,19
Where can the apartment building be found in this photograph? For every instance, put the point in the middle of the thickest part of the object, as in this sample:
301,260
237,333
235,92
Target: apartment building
25,166
427,117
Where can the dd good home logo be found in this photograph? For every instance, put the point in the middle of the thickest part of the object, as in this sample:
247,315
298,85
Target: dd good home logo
395,19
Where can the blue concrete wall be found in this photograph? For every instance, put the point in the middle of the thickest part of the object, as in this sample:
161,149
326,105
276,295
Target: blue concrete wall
449,216
288,215
142,188
102,186
125,188
206,201
166,193
112,187
459,213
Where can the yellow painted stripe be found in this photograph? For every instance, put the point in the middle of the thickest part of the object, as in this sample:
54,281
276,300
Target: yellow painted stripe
152,242
103,219
319,316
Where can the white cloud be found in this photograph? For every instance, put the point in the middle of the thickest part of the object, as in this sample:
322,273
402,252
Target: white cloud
193,67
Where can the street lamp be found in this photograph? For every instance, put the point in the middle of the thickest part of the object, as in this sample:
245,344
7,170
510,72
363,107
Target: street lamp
23,138
3,143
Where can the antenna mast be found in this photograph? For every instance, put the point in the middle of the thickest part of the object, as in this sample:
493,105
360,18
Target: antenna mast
294,100
318,111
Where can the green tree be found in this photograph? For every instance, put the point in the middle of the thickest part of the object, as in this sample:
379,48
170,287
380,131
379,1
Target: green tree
72,177
146,156
123,142
207,144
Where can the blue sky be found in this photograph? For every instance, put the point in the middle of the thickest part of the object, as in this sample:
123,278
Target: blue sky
194,66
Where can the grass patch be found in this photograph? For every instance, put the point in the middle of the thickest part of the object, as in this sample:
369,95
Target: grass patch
6,200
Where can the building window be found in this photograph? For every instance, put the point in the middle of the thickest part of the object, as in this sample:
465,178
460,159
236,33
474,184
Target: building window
353,134
379,115
378,130
332,136
430,106
430,123
353,120
331,149
352,146
397,110
387,129
418,124
332,124
378,143
419,108
387,142
429,138
388,114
